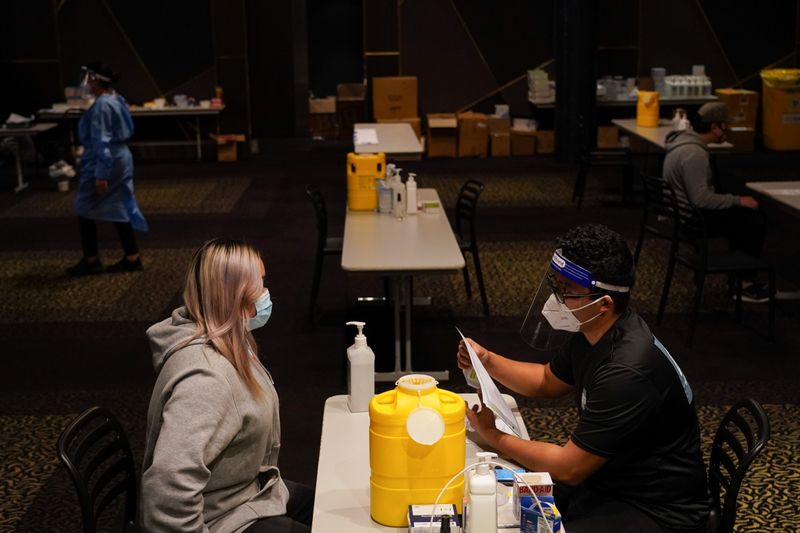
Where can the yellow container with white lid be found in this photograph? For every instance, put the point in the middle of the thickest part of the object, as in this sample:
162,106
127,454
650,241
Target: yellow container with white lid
647,109
417,442
362,171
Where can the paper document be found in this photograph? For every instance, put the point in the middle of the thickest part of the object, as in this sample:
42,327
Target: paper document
490,394
365,136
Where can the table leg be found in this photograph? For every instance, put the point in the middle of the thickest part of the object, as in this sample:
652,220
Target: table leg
397,301
21,184
197,137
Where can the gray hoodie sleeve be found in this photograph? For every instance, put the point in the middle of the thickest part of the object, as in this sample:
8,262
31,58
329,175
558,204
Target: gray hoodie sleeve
698,184
199,420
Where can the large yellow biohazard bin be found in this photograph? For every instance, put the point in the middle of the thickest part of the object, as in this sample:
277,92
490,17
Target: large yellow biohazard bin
781,104
647,109
362,169
403,470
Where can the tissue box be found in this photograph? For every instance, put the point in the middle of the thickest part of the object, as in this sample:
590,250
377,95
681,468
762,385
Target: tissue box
540,482
419,518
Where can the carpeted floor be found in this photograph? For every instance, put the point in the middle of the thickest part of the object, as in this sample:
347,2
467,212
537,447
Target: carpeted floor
69,344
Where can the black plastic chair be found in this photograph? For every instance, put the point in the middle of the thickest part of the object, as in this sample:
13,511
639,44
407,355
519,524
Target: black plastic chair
692,251
742,434
658,215
96,453
466,210
325,245
591,157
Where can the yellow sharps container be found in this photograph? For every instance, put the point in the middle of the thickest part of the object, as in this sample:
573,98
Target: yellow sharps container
406,471
362,169
647,109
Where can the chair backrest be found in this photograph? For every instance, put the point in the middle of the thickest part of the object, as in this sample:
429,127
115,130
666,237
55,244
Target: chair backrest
321,212
691,231
95,451
466,209
659,207
743,432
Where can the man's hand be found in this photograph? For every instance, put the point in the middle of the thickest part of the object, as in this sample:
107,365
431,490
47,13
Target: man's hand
748,202
483,421
101,186
462,355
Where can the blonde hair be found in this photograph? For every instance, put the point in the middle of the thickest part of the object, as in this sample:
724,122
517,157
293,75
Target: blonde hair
222,284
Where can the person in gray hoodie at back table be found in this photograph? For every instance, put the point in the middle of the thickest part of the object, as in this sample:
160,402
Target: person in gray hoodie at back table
687,169
213,425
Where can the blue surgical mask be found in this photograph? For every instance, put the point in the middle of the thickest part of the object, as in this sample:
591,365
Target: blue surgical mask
263,312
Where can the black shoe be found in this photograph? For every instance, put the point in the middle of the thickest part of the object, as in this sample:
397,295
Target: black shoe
125,265
86,268
754,294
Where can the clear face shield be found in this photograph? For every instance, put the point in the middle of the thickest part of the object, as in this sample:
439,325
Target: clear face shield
87,75
550,322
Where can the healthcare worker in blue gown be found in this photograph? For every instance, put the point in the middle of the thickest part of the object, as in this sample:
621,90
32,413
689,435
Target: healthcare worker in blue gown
105,190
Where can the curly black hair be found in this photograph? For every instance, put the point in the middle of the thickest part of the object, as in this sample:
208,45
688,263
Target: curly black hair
605,254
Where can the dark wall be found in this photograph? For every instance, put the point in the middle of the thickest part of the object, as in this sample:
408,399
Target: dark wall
335,44
256,51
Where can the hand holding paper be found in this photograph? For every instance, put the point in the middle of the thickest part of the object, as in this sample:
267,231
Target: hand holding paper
490,395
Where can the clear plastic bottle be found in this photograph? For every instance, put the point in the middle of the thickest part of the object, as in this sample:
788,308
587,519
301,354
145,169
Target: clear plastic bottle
411,195
398,196
360,372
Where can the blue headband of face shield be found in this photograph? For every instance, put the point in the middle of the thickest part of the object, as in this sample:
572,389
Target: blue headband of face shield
580,275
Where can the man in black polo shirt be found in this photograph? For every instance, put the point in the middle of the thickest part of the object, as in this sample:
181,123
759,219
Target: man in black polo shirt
633,462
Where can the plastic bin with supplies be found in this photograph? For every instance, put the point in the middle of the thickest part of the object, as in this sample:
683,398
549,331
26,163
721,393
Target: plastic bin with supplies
781,104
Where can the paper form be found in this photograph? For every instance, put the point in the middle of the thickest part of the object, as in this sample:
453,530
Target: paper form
490,395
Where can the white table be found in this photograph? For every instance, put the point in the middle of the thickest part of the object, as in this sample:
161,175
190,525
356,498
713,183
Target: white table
657,135
395,140
341,502
30,131
379,243
138,111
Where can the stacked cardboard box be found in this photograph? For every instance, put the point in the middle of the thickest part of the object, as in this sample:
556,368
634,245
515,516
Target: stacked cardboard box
473,134
500,136
394,100
742,114
442,138
350,102
523,137
322,117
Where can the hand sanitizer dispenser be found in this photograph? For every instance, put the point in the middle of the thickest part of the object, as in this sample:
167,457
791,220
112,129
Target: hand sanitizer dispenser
411,195
360,372
482,496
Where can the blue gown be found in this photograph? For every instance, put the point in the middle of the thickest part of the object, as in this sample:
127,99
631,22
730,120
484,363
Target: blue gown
102,131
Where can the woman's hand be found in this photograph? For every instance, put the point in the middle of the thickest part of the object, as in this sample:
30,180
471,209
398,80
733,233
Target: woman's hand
101,186
462,355
482,420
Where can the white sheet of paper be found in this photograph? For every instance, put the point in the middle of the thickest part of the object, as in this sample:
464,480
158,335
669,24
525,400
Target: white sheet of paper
365,136
491,395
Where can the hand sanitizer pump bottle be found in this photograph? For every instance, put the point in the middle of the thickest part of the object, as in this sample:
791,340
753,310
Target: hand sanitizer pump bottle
411,195
360,372
398,196
482,496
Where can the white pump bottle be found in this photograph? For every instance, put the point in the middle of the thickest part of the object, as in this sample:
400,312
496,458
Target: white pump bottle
482,496
411,194
360,372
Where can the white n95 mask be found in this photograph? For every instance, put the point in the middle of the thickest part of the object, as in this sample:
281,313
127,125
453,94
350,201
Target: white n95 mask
561,317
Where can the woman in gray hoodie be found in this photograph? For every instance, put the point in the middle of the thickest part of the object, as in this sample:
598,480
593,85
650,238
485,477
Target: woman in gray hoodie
213,426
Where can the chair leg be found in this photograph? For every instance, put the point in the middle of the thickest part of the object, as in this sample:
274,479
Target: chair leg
700,280
467,284
662,304
479,274
312,304
627,183
739,299
580,182
771,289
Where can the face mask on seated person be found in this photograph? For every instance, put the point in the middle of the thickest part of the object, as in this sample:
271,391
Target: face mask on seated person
263,312
561,317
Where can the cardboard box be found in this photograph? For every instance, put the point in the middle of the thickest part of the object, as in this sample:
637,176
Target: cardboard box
781,124
500,143
322,117
442,135
394,97
227,146
607,137
523,142
742,139
742,106
540,482
350,108
415,122
545,142
473,134
499,124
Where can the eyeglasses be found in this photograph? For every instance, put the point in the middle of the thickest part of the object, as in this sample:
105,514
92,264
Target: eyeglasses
561,295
